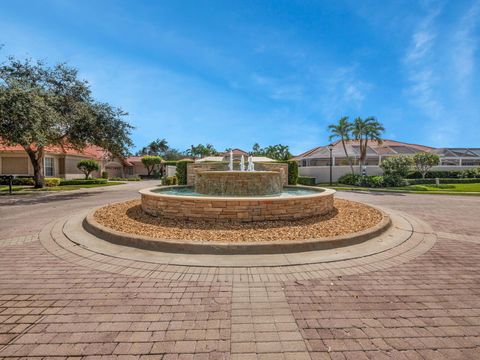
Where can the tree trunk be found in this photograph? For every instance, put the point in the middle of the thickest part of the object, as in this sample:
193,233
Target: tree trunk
37,160
348,157
360,157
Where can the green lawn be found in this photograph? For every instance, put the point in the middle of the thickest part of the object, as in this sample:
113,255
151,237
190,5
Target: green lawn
25,189
466,189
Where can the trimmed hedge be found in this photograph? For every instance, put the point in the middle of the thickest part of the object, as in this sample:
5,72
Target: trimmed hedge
306,180
436,174
149,177
443,181
170,162
372,181
23,181
181,173
292,172
83,182
125,179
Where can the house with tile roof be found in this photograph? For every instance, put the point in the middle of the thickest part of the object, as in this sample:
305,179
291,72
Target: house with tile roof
61,161
316,162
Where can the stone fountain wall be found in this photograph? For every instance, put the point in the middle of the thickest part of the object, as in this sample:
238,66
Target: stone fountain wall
237,209
193,168
238,183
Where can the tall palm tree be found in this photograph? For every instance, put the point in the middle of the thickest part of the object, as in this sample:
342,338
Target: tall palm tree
341,131
365,130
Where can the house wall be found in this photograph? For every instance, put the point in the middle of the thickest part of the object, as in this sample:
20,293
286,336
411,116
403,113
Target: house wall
14,165
322,173
171,170
71,170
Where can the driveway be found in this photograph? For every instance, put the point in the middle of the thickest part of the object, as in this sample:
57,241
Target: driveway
425,308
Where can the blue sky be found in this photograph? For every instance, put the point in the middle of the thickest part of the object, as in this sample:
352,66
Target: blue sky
233,73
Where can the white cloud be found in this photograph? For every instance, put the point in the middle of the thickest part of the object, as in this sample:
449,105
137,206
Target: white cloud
465,46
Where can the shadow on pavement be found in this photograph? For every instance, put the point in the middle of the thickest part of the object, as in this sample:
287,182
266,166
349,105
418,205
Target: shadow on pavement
376,193
44,198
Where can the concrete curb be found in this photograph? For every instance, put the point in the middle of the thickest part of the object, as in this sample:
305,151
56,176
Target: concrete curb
221,248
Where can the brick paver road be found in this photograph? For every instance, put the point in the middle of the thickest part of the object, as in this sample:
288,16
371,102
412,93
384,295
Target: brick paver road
428,308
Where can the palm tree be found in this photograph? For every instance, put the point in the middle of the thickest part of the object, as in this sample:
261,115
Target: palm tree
156,147
341,131
365,130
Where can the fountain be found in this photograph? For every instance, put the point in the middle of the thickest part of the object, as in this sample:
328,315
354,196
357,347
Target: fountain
230,164
237,195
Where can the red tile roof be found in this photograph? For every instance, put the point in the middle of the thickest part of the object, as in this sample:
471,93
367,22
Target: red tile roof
91,151
234,152
373,144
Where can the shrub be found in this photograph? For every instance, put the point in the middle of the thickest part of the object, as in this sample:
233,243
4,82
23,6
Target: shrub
182,172
87,167
350,179
292,172
371,181
83,181
470,173
397,165
51,182
306,180
394,181
104,175
23,181
171,180
436,174
444,181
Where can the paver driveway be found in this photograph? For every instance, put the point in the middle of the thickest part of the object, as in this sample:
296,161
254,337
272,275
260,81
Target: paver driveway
426,308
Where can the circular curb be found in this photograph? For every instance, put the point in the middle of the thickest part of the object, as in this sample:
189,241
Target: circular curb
225,248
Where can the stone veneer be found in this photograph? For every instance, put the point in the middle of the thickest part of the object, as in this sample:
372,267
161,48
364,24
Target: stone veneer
238,183
193,168
237,209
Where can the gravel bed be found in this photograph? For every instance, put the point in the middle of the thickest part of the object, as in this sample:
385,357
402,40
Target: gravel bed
348,217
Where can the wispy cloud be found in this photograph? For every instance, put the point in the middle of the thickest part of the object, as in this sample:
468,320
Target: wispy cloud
344,91
423,76
465,45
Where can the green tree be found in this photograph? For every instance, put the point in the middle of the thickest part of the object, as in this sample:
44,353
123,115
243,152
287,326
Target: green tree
87,167
201,150
424,161
365,130
173,155
257,150
44,106
157,147
397,165
341,131
278,152
151,162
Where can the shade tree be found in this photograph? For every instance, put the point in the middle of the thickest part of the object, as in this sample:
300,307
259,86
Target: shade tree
43,106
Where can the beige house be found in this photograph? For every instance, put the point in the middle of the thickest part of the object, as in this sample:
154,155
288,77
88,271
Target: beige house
62,162
316,162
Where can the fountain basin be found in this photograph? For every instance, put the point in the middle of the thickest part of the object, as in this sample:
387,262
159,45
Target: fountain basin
238,183
160,201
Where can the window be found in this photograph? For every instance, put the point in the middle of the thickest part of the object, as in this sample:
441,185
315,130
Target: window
49,170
